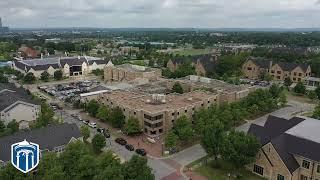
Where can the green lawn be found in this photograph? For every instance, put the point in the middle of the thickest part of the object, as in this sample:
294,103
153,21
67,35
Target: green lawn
192,52
222,172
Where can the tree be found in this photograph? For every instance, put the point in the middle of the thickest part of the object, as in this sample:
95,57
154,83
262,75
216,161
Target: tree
117,118
171,140
283,99
2,126
45,76
3,79
85,132
316,113
13,125
177,88
29,78
183,128
103,113
212,139
300,88
317,91
92,108
275,90
132,126
137,168
58,75
45,116
287,81
312,95
98,142
239,149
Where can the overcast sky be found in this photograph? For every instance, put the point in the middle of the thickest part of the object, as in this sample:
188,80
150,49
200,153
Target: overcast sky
161,13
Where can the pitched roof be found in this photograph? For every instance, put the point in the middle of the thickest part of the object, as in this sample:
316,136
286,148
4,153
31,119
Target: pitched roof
48,138
207,61
7,98
261,62
76,61
290,137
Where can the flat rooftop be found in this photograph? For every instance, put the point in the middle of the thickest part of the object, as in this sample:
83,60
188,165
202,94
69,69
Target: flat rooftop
143,101
213,84
307,129
135,68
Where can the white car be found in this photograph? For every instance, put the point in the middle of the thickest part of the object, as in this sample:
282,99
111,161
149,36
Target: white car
93,125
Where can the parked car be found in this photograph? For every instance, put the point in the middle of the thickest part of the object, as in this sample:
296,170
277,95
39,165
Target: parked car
101,130
121,141
106,135
129,147
86,122
93,125
141,152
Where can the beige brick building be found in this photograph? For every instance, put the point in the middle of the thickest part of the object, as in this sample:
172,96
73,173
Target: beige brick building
157,113
254,68
290,149
203,64
129,72
70,66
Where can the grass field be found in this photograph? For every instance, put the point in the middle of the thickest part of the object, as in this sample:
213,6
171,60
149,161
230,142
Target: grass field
192,52
222,173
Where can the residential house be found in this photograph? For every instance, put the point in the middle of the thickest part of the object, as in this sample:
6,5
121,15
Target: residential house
255,68
17,104
53,138
203,64
290,149
27,52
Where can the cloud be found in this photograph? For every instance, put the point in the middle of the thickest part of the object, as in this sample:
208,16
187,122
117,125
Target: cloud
160,13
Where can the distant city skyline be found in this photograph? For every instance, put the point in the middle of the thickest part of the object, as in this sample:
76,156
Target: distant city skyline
161,13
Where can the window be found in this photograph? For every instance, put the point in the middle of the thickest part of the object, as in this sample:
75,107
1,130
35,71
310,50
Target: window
272,71
280,177
172,114
294,79
294,73
318,169
302,177
185,111
134,113
279,72
258,169
249,68
305,164
278,77
300,74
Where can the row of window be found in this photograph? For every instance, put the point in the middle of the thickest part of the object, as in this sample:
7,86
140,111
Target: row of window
159,124
153,118
306,165
259,170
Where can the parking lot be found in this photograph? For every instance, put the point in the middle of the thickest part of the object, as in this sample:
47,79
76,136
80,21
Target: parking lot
68,91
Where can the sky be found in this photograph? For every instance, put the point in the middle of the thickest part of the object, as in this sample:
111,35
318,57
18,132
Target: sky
161,13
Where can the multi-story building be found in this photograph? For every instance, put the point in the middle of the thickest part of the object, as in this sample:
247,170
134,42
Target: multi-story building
290,149
70,66
254,68
129,72
17,104
53,138
203,64
157,113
